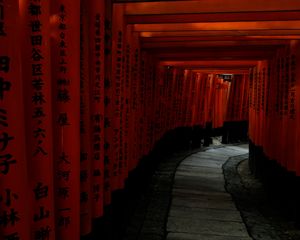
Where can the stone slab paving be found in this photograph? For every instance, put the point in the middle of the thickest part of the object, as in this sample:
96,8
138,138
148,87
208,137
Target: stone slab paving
188,236
201,208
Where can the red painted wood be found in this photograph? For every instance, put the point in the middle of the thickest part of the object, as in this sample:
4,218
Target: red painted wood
65,56
36,73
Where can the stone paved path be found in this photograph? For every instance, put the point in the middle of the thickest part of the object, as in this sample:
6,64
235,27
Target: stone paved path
201,209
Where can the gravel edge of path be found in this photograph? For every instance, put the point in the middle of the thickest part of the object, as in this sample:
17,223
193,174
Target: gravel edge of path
251,200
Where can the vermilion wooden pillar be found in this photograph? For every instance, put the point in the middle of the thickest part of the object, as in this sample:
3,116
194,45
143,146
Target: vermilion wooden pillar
226,89
251,104
284,85
245,107
294,113
36,71
113,113
127,100
96,20
255,100
191,99
133,122
148,104
85,126
293,104
186,96
211,98
241,97
65,49
272,108
107,102
285,108
278,108
205,88
269,107
122,168
263,79
14,188
208,95
196,97
142,92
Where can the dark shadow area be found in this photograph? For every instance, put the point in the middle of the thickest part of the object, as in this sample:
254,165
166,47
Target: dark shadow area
148,188
234,132
282,186
134,199
266,194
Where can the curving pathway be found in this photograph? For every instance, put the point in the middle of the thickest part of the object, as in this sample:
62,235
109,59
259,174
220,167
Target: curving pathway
201,208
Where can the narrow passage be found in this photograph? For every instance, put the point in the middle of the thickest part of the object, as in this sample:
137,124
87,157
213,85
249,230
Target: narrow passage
201,208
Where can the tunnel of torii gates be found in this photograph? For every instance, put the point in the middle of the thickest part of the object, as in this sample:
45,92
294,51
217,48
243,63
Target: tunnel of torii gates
88,87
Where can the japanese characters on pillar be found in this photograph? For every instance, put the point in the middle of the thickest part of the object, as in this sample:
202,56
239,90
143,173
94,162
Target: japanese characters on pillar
108,103
160,103
148,106
263,101
209,83
275,94
222,102
151,101
231,101
192,99
116,82
278,106
166,112
96,32
205,88
245,104
187,96
85,126
251,104
285,79
15,219
171,94
268,109
280,127
65,49
239,97
226,86
142,100
36,71
135,55
199,101
173,99
179,76
211,99
259,74
127,99
162,95
287,134
255,103
217,115
156,103
292,105
179,97
293,80
121,170
260,103
271,108
196,100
